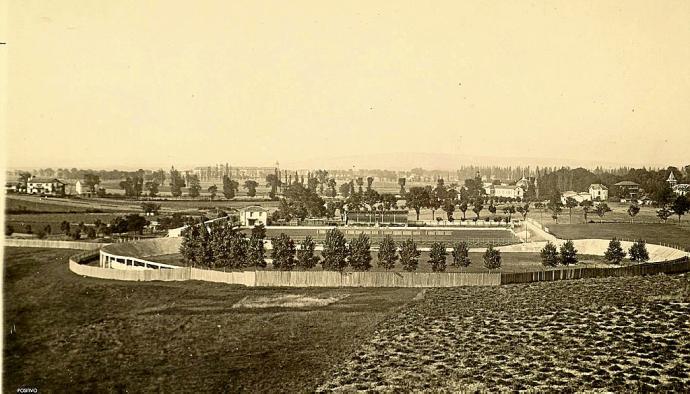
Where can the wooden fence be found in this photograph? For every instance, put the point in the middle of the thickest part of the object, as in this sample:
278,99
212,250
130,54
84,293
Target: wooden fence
668,267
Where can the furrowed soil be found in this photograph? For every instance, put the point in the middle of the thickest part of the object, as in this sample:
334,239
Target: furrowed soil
66,333
621,334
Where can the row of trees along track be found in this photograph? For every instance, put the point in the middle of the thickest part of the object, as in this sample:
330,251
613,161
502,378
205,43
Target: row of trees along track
221,245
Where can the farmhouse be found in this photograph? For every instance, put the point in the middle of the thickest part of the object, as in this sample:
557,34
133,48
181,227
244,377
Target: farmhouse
682,189
597,191
83,189
14,187
507,191
628,189
45,186
253,215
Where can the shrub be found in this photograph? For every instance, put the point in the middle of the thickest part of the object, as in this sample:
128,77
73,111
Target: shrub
614,254
638,251
568,253
549,255
437,257
492,258
334,251
41,234
9,230
305,255
409,255
283,253
461,253
360,253
91,232
388,255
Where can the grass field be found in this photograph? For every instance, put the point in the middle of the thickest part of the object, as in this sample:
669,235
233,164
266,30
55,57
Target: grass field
72,333
671,234
40,220
615,334
510,262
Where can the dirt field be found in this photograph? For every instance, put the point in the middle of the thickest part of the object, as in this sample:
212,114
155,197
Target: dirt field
68,333
620,334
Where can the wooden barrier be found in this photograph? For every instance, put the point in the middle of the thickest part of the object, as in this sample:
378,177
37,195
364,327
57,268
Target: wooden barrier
668,267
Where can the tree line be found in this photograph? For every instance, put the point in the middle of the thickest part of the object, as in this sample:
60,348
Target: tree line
222,245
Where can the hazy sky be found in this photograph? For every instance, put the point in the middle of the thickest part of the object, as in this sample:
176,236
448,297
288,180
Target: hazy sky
155,83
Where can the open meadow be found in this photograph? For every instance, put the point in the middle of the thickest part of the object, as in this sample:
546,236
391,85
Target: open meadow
66,332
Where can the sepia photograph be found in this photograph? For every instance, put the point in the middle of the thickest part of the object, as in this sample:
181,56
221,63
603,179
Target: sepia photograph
363,196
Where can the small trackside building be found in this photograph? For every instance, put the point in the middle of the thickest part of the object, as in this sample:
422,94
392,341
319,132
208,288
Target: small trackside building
253,215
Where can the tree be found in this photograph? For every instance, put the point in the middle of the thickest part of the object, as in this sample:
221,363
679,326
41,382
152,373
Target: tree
509,210
331,188
305,255
568,253
250,185
570,203
194,186
586,206
633,210
360,183
344,190
437,257
663,195
409,255
360,253
213,189
492,208
256,251
65,227
334,251
149,207
91,181
370,181
664,214
554,205
230,187
461,253
388,255
615,253
9,230
152,187
523,210
176,182
601,210
41,234
680,206
388,200
273,181
401,182
463,208
91,232
48,230
638,251
477,208
549,255
492,258
449,208
417,198
283,253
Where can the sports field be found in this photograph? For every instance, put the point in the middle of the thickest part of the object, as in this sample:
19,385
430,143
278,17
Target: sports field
669,234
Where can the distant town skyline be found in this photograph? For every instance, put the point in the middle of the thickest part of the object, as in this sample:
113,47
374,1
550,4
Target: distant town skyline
387,85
